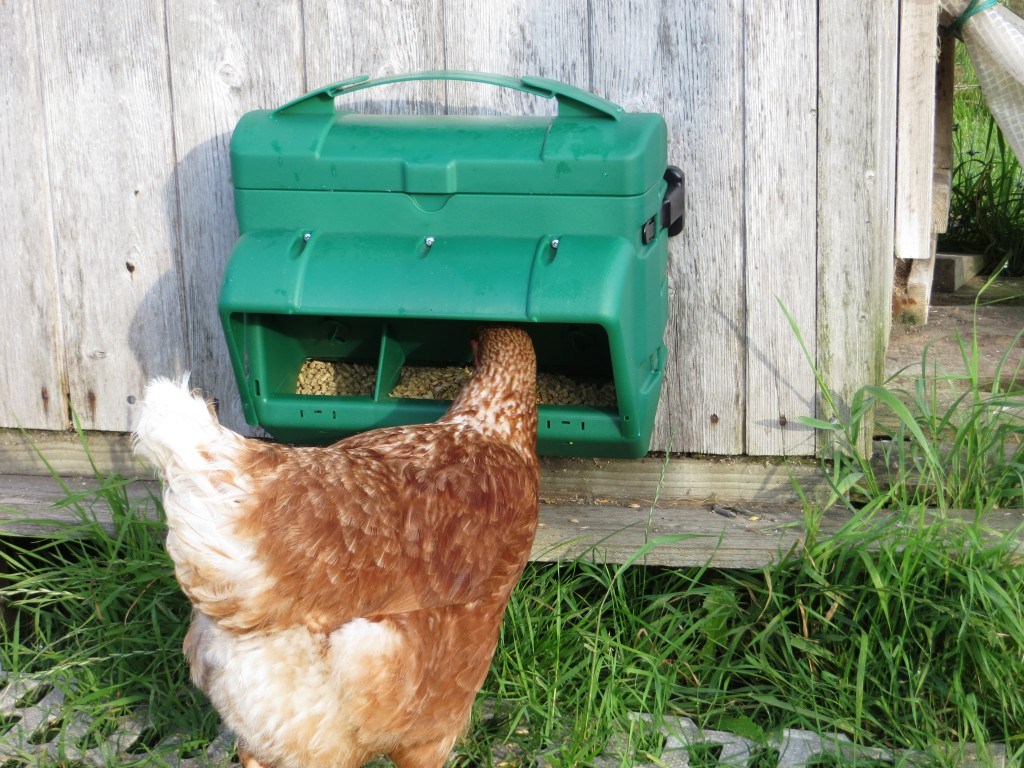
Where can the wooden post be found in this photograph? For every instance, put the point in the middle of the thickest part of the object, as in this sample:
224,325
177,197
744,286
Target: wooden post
915,147
943,169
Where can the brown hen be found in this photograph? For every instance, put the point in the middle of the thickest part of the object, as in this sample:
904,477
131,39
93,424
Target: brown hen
347,599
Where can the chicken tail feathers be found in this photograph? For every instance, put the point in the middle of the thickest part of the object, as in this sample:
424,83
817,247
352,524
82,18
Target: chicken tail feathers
176,429
177,432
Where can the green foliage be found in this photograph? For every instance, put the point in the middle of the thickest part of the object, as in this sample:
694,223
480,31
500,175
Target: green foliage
585,648
900,630
98,614
964,451
987,203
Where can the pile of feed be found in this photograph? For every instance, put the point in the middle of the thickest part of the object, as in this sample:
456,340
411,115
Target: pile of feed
557,389
423,382
326,377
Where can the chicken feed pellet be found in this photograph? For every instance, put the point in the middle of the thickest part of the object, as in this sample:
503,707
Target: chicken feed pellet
557,389
325,377
427,383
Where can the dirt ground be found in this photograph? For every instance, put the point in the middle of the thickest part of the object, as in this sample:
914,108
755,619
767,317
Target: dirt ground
997,322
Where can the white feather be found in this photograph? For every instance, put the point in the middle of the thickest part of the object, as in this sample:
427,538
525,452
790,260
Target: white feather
280,691
176,431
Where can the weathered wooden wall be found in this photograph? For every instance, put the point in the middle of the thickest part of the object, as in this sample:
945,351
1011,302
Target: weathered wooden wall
116,197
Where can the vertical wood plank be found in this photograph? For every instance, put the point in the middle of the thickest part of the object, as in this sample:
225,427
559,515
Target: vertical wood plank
919,286
922,267
109,129
857,53
365,37
700,55
32,378
626,46
531,37
942,176
915,158
226,57
780,70
915,128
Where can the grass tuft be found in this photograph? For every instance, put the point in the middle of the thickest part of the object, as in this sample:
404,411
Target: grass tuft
958,441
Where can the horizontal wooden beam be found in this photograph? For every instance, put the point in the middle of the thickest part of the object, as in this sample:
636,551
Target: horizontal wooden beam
39,452
684,478
687,535
721,536
565,479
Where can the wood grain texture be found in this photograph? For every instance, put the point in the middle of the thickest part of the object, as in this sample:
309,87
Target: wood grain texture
133,108
701,63
43,452
680,537
226,58
36,506
365,37
591,480
628,65
625,54
729,536
919,286
33,376
780,70
530,37
915,128
942,175
919,151
856,152
720,536
114,198
651,479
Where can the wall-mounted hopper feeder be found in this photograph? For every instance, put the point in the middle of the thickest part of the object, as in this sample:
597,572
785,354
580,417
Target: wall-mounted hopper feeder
373,246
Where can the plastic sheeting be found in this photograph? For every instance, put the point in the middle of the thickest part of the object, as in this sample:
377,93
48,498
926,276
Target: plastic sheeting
995,42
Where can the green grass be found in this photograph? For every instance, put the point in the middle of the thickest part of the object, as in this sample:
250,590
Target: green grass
958,443
100,616
987,204
901,631
904,630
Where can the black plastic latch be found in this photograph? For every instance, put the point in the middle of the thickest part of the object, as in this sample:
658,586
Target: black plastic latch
673,202
649,231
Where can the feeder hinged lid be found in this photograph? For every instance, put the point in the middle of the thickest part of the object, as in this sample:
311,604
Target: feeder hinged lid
591,147
283,272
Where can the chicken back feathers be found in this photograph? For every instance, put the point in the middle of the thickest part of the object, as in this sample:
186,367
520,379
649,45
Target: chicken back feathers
347,599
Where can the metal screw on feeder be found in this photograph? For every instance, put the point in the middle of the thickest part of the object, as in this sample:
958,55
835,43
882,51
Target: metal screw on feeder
554,244
428,241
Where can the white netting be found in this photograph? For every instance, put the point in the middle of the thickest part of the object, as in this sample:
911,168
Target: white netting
995,42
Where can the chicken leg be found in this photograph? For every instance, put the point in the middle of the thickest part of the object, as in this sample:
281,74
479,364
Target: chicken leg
247,760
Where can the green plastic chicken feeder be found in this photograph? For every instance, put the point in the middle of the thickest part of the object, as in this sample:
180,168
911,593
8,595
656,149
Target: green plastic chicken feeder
388,239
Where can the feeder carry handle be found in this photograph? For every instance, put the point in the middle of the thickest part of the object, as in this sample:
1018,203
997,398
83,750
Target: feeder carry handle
572,101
